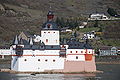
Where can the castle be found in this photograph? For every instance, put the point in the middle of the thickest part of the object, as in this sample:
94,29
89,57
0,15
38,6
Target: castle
45,53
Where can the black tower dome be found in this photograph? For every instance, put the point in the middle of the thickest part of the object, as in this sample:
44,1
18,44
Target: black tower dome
50,24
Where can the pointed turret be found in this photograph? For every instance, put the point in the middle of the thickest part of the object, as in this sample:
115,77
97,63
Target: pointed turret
31,41
50,24
16,40
50,16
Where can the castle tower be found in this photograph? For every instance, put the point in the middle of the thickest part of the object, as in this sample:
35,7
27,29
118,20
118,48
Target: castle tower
50,31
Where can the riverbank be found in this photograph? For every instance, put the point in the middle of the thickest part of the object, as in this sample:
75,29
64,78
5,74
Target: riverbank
47,72
107,59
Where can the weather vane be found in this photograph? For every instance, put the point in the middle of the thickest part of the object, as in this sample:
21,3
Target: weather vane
50,4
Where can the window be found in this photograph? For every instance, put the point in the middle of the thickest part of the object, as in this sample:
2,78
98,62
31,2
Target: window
46,60
54,32
89,51
46,40
81,51
76,57
38,59
70,51
62,46
25,59
90,36
44,32
76,51
48,32
49,25
56,41
53,60
0,56
51,46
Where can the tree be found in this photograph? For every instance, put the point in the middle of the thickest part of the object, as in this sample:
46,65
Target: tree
60,22
96,24
112,12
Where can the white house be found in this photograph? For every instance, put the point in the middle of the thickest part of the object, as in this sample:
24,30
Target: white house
108,50
98,17
4,52
89,35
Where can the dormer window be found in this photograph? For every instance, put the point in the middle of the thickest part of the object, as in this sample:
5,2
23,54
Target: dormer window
41,46
51,46
48,25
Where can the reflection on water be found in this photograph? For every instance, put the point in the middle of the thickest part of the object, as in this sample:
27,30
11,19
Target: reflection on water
47,77
111,72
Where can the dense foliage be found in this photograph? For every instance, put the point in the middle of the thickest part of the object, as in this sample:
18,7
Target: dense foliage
62,22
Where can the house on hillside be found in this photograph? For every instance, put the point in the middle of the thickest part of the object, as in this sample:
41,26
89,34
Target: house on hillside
2,7
4,52
66,29
108,50
83,25
89,35
98,16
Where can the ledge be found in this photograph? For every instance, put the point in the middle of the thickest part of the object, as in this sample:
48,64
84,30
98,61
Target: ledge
46,72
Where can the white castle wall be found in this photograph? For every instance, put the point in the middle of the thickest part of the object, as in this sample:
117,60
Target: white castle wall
39,61
75,55
78,54
52,37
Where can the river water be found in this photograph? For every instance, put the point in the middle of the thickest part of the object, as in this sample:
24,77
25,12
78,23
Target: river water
111,72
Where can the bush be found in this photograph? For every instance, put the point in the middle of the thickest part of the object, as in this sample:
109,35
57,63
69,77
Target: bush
111,11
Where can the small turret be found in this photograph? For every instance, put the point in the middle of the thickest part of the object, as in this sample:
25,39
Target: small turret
31,41
50,16
50,24
16,40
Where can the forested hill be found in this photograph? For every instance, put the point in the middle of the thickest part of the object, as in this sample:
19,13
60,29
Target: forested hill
29,15
68,7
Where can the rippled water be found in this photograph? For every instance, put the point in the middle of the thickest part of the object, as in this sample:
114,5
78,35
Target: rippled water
46,77
111,72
